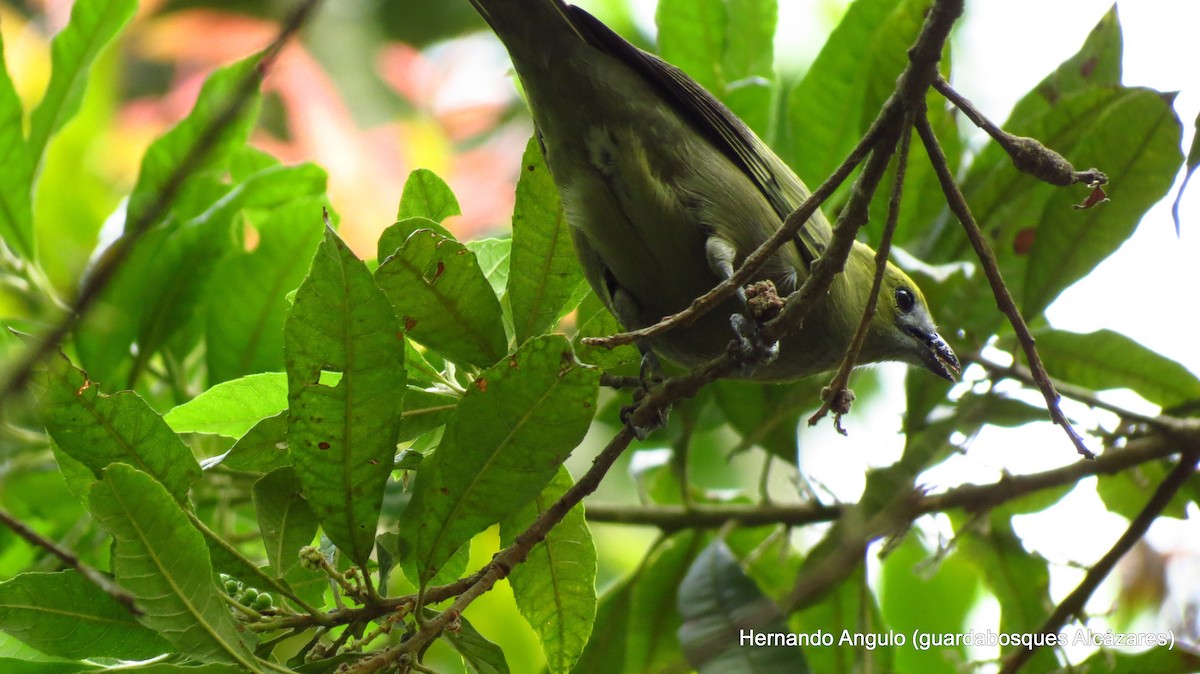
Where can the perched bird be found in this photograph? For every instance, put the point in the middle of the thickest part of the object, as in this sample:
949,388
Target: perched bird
666,192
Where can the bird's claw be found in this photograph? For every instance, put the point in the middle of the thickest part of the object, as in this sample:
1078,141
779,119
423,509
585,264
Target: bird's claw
651,374
751,350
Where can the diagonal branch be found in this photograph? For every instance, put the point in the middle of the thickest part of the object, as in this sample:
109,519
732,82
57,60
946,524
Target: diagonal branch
1073,604
837,396
1004,300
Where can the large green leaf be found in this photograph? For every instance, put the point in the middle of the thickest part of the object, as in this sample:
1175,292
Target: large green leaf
610,631
726,46
513,428
98,430
933,596
284,518
65,615
545,273
1042,243
1136,140
1105,359
825,115
16,170
93,24
1019,579
233,407
717,600
443,299
263,448
246,295
346,378
424,411
652,640
170,151
555,588
163,562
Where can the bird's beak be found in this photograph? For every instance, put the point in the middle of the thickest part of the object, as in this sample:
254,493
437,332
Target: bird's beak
937,355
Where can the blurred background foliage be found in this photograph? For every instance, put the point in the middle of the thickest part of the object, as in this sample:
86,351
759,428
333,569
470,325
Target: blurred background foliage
377,89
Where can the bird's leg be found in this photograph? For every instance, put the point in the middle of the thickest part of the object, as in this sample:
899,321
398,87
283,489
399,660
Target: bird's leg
752,349
650,373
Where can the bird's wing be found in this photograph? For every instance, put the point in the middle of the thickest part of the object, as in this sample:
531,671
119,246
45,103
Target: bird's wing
782,189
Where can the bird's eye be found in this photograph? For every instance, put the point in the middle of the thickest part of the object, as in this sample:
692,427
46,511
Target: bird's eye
905,299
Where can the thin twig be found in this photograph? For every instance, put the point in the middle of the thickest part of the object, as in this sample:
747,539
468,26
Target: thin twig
838,389
1004,300
1074,603
107,265
93,576
1027,154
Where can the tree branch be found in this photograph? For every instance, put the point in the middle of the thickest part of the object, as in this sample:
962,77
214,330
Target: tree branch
1074,603
1004,300
968,497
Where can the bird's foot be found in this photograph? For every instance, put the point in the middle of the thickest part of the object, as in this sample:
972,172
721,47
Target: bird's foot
651,375
750,348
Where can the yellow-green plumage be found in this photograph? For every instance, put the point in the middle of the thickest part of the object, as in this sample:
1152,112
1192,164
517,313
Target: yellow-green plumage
667,191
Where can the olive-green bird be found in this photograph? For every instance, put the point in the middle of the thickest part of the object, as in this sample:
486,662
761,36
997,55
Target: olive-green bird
667,191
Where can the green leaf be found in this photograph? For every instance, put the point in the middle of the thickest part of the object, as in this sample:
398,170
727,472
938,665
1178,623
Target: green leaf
99,430
397,233
93,24
163,562
479,655
610,631
595,320
1135,139
64,615
284,518
931,595
726,46
162,284
1097,63
717,599
544,270
555,588
342,437
16,170
825,112
493,256
1105,359
246,295
424,411
691,35
1019,579
443,299
233,407
427,196
263,448
768,415
513,428
1125,493
170,151
652,641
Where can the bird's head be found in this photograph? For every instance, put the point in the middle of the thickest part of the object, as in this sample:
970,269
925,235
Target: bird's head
903,330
